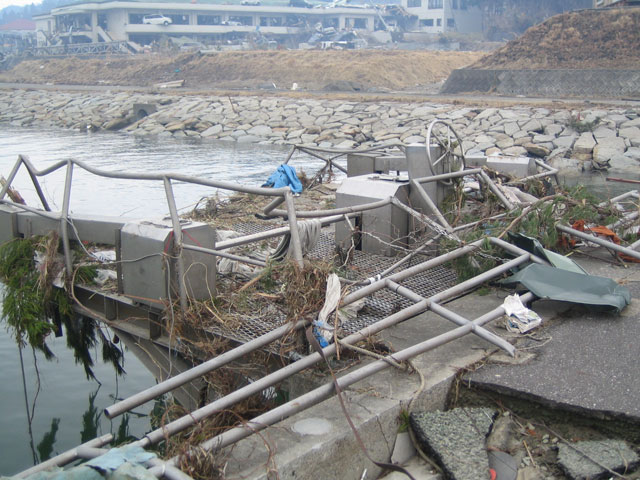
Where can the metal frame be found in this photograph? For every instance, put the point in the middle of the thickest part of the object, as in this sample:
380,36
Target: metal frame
166,178
433,208
391,283
420,305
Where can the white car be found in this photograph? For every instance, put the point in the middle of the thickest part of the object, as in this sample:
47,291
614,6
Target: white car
156,19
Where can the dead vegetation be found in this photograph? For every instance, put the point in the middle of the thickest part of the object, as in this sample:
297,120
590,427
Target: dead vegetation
588,39
312,70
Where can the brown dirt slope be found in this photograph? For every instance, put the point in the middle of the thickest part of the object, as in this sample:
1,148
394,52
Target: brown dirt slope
579,40
310,69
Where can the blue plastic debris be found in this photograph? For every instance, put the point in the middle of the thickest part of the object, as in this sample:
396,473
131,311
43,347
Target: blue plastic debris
284,176
117,456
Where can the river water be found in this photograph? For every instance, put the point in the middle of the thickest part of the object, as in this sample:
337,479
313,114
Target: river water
68,407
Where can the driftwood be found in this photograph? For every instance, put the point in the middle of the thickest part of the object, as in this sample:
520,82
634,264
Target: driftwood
14,195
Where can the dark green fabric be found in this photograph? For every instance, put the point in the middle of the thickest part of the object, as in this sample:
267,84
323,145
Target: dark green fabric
557,284
532,245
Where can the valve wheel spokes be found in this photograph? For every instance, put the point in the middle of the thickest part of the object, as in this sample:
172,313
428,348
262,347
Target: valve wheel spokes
451,155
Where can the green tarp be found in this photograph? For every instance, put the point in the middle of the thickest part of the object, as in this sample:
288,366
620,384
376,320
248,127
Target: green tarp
532,245
557,284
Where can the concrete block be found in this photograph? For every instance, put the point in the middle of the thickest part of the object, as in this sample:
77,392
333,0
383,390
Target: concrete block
8,224
456,439
518,167
585,143
145,271
382,227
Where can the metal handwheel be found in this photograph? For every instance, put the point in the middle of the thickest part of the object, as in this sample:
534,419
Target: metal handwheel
451,154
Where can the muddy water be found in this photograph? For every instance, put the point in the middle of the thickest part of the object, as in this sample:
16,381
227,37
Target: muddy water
68,407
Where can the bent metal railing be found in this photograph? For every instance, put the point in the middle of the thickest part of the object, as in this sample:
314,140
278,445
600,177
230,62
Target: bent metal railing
386,280
420,304
167,179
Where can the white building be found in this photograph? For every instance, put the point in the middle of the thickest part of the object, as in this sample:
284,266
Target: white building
123,21
439,16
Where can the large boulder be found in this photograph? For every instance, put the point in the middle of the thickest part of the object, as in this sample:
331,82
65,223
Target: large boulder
584,144
607,148
537,150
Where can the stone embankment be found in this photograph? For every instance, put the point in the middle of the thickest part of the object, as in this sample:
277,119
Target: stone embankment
567,139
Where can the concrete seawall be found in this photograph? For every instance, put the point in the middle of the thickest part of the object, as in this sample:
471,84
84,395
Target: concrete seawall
574,83
572,139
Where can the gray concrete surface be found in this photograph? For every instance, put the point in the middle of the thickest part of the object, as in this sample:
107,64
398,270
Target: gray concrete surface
591,363
610,455
456,440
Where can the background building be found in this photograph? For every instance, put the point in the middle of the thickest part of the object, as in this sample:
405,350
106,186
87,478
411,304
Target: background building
208,23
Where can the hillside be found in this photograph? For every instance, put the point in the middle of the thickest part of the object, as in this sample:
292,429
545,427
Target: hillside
598,39
310,69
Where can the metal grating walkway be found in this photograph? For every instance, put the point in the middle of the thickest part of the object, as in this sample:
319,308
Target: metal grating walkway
362,265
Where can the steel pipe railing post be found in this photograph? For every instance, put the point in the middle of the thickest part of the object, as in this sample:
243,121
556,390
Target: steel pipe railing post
218,253
36,184
431,205
272,205
278,376
202,369
294,232
64,220
325,391
496,191
452,316
599,241
336,211
292,150
177,244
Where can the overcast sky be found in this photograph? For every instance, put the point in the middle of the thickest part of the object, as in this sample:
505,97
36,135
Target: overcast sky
19,3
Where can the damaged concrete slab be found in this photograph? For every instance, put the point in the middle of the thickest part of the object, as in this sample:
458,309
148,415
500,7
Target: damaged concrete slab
456,439
589,366
596,459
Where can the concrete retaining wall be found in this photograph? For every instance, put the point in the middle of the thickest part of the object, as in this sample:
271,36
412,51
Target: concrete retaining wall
585,83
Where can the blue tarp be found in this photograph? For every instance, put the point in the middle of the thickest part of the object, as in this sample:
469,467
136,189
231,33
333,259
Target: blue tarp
124,463
284,176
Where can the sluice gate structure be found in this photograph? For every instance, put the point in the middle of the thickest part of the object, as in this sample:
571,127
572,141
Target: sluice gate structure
388,203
